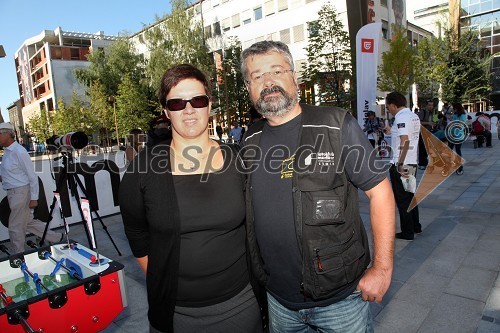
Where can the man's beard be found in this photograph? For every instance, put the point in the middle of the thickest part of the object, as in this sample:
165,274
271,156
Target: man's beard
275,106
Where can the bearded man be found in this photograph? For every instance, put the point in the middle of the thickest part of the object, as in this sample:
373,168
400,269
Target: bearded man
306,239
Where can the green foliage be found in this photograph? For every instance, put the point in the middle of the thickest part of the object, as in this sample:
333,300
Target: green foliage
395,73
75,116
131,107
430,63
466,74
328,58
107,67
39,126
175,40
233,96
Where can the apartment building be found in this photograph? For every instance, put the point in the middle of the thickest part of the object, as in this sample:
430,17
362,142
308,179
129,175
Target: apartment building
16,118
45,67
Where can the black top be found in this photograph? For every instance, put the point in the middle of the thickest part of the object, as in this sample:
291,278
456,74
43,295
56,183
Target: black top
273,205
213,265
151,218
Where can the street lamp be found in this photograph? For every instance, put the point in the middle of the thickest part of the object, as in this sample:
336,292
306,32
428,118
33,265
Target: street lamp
112,99
2,51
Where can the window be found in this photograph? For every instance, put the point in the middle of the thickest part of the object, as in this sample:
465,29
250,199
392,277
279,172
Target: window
269,7
295,3
56,52
236,20
257,13
208,31
298,33
312,28
226,24
285,36
385,29
217,31
299,66
75,54
282,5
246,16
383,3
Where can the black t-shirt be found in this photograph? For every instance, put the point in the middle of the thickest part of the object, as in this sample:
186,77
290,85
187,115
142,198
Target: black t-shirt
273,204
213,265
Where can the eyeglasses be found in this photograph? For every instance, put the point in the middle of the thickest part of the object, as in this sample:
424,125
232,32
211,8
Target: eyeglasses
178,104
276,73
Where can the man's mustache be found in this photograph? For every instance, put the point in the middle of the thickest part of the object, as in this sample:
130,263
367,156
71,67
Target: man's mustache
268,91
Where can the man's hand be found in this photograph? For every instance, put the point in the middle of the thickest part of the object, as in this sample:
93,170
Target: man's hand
374,284
33,204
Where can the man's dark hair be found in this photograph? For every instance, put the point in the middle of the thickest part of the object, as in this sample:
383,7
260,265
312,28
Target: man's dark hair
395,98
176,74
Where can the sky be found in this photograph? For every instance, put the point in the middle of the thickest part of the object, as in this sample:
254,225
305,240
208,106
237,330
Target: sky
21,20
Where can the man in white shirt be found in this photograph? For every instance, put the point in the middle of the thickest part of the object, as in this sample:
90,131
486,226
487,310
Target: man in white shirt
21,184
405,133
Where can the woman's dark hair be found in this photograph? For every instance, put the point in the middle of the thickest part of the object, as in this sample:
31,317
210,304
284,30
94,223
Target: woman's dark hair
395,98
176,74
458,109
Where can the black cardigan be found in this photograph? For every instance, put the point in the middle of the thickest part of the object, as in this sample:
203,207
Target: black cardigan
147,198
147,179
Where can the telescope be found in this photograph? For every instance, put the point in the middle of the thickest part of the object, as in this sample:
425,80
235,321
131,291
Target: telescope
72,140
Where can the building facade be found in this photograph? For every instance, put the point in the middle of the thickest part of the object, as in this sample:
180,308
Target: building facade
482,16
45,67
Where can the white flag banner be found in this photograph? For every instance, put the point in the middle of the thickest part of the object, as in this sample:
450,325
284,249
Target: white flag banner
88,220
58,200
367,42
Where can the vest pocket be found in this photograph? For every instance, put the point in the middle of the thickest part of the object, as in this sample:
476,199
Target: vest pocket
334,266
327,209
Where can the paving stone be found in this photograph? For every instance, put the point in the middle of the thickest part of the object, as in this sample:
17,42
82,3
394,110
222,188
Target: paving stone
472,282
404,268
453,314
492,308
483,259
413,314
487,327
384,328
423,288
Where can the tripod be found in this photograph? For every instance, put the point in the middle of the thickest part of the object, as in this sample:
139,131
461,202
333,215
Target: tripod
73,182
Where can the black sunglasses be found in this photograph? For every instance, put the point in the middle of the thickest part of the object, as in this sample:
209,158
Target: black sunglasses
178,104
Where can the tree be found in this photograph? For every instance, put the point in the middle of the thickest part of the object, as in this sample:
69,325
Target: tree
39,126
72,117
175,40
105,78
395,73
430,63
328,58
101,108
466,74
107,67
131,107
233,95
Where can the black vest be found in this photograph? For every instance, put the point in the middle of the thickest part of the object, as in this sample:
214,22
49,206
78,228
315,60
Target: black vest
332,238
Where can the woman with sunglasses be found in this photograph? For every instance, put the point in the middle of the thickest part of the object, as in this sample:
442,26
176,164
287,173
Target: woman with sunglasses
183,210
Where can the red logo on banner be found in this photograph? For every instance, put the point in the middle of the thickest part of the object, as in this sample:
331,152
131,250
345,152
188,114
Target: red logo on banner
367,45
